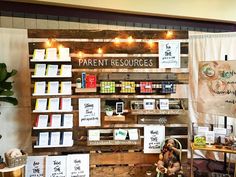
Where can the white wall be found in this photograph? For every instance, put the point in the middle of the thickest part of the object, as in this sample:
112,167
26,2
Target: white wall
195,9
15,122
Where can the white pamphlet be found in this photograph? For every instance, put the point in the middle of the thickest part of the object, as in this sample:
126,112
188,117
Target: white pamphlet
51,54
39,54
66,70
39,88
64,53
43,138
42,121
66,87
53,104
55,120
53,87
67,120
67,138
65,104
52,70
120,134
39,69
54,138
41,104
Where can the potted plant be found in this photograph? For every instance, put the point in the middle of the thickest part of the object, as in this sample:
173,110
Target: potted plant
6,92
6,86
109,111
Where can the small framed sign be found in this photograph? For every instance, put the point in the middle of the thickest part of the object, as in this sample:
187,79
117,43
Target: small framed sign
119,108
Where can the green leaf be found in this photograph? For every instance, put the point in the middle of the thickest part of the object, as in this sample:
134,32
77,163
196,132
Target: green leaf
10,74
6,85
9,100
3,71
7,92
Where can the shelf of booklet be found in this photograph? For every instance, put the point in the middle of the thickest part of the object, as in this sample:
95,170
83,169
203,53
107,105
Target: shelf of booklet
200,140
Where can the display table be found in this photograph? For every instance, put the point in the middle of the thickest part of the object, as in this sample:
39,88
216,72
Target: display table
224,149
7,169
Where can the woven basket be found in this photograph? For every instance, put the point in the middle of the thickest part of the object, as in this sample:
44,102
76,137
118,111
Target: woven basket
17,161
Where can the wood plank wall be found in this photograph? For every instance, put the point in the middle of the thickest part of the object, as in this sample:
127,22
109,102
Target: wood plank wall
116,160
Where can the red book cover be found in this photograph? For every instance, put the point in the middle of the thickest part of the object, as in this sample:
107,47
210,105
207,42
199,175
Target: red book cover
91,81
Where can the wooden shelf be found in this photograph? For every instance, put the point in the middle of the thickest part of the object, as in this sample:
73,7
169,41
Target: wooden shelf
49,94
45,77
141,70
158,112
49,128
7,169
85,90
131,96
52,146
107,140
51,111
48,60
114,118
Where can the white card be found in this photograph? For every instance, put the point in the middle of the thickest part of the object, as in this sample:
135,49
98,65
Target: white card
66,87
164,104
39,69
53,87
67,138
120,134
67,120
39,88
39,54
53,104
64,53
52,70
43,138
55,120
41,104
55,138
210,137
66,104
149,104
133,134
42,121
51,54
94,135
66,70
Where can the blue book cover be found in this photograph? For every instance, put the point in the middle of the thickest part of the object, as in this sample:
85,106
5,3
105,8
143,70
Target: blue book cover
83,80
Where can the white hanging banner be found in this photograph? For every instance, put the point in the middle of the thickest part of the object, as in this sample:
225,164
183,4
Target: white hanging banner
78,165
169,54
89,112
154,135
35,166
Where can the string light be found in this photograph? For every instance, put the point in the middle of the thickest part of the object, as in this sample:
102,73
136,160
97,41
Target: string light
169,34
150,43
80,54
100,51
48,43
60,46
117,40
130,39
